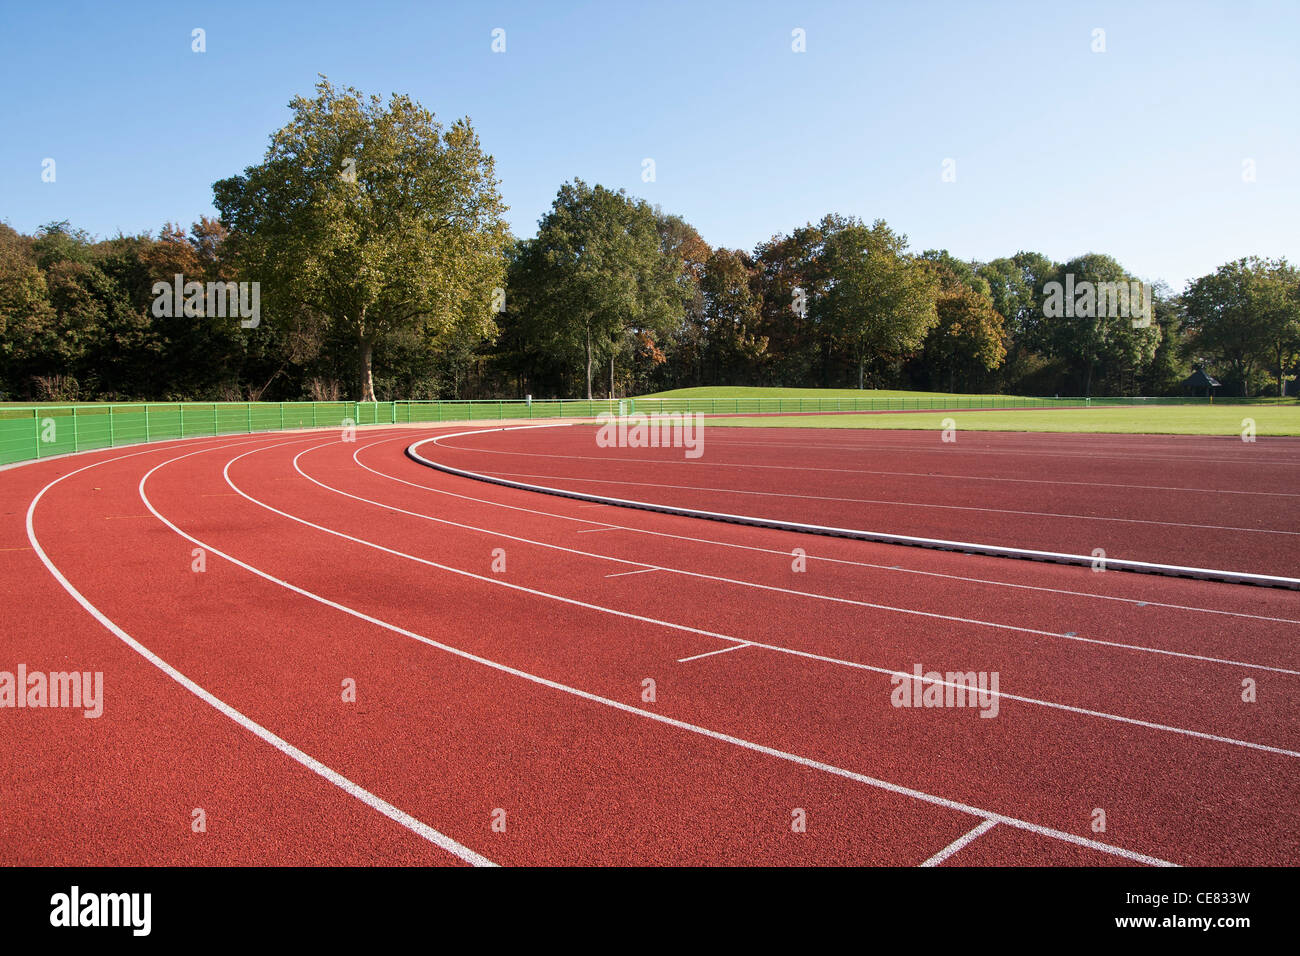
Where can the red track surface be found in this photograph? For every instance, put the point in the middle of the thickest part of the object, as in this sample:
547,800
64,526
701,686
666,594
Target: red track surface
1203,502
521,691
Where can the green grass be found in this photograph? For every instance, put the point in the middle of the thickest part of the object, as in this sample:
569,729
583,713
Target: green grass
746,391
1151,420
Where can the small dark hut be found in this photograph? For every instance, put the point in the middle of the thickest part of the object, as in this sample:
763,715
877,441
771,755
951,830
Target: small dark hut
1199,380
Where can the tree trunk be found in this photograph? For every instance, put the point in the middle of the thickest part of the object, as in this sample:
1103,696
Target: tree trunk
367,381
611,375
588,363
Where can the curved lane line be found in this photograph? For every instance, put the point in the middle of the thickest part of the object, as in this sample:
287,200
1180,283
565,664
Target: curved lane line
1000,551
311,763
921,795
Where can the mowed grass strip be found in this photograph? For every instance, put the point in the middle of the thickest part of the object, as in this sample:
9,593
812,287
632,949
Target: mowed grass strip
746,391
1229,420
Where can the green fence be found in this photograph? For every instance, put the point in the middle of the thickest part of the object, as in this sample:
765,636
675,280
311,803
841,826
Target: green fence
39,431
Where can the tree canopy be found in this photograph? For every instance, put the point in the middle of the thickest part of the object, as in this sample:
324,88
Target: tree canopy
375,218
377,238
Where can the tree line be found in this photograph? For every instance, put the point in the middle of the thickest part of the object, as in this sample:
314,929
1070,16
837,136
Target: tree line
377,237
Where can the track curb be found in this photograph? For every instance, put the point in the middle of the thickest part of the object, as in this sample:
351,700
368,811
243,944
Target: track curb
882,537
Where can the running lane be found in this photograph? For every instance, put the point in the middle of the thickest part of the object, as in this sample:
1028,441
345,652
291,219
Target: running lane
1202,502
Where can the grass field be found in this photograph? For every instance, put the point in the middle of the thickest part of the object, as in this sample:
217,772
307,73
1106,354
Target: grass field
745,391
1152,420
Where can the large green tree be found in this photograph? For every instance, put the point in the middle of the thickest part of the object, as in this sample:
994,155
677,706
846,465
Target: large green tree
968,340
1093,338
732,305
374,216
879,302
1244,316
597,277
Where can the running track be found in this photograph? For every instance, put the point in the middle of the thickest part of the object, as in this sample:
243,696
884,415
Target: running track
481,691
1203,502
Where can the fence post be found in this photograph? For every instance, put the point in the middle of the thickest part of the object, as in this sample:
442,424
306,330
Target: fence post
112,441
36,433
146,421
216,424
74,428
248,407
180,410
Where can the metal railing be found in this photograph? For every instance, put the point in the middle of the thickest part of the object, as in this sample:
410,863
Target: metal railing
39,431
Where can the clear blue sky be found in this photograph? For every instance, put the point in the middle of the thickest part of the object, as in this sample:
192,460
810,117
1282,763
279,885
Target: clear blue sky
1136,151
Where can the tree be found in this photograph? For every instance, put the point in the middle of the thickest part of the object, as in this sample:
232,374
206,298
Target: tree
597,275
879,302
1097,341
969,334
1281,309
685,346
1168,367
25,312
732,306
376,217
1245,315
793,274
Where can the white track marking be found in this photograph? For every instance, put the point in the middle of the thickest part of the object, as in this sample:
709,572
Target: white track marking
960,842
1103,715
623,574
304,759
769,587
1036,453
1005,551
885,785
713,463
786,554
721,650
901,504
591,530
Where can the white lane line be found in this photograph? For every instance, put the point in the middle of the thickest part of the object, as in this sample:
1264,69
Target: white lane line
829,560
1037,453
1103,715
900,504
593,530
809,762
1005,551
724,650
1071,636
960,842
306,760
714,463
623,574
